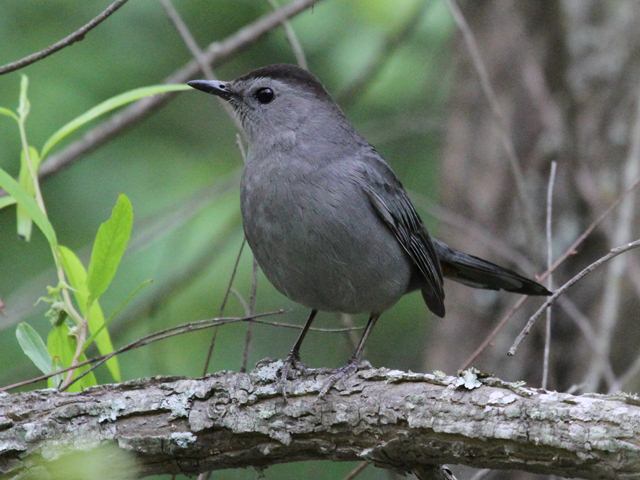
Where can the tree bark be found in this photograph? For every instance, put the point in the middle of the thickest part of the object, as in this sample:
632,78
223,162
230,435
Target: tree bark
399,420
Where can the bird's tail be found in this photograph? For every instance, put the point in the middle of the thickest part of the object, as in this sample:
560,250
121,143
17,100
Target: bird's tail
476,272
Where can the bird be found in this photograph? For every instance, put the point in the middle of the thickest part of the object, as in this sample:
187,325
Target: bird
327,219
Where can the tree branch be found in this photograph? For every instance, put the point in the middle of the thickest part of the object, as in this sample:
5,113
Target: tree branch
215,54
395,419
65,42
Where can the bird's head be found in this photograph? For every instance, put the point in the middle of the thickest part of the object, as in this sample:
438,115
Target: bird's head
275,101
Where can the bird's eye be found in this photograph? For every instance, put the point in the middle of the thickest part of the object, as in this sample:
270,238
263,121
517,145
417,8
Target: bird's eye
264,95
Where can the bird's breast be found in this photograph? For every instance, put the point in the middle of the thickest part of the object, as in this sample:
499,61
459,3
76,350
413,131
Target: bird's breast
317,239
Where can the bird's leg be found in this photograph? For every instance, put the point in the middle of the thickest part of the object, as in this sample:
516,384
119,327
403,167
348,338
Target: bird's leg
352,366
292,362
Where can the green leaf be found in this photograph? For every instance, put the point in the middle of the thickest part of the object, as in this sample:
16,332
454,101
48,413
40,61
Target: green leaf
33,347
24,200
8,113
111,242
62,347
27,182
6,201
105,107
77,276
24,106
134,293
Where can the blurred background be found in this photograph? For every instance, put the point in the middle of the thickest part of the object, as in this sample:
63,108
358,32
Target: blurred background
561,85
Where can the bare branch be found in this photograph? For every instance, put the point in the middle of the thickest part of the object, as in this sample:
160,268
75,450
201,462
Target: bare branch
489,92
398,420
292,38
198,54
469,226
584,325
572,250
378,60
614,252
214,54
251,308
147,340
622,233
547,335
225,298
497,329
65,42
187,38
356,471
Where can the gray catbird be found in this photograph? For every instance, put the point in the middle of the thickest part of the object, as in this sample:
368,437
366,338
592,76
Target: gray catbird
328,221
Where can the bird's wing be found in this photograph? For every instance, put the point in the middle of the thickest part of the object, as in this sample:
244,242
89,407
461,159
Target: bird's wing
391,203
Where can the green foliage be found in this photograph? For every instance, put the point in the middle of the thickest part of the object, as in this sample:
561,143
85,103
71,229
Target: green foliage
25,178
104,461
77,276
6,201
62,347
168,163
106,107
27,202
108,248
33,346
8,113
111,241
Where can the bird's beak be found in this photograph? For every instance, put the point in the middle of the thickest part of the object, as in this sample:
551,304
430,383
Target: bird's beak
215,87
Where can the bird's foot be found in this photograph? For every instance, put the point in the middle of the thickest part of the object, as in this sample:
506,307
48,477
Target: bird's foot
341,374
291,367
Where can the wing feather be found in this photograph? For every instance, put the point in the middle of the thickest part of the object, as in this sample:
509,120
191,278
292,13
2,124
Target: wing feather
393,206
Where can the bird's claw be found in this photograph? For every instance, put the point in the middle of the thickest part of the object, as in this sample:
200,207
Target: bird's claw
291,365
340,374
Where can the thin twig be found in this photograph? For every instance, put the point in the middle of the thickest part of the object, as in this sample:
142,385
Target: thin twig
196,52
547,334
295,326
148,339
622,380
489,92
188,38
572,250
614,252
633,273
292,38
161,336
251,308
622,233
497,329
65,42
243,150
212,323
243,303
356,471
347,320
215,54
214,335
473,229
184,276
582,322
379,59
